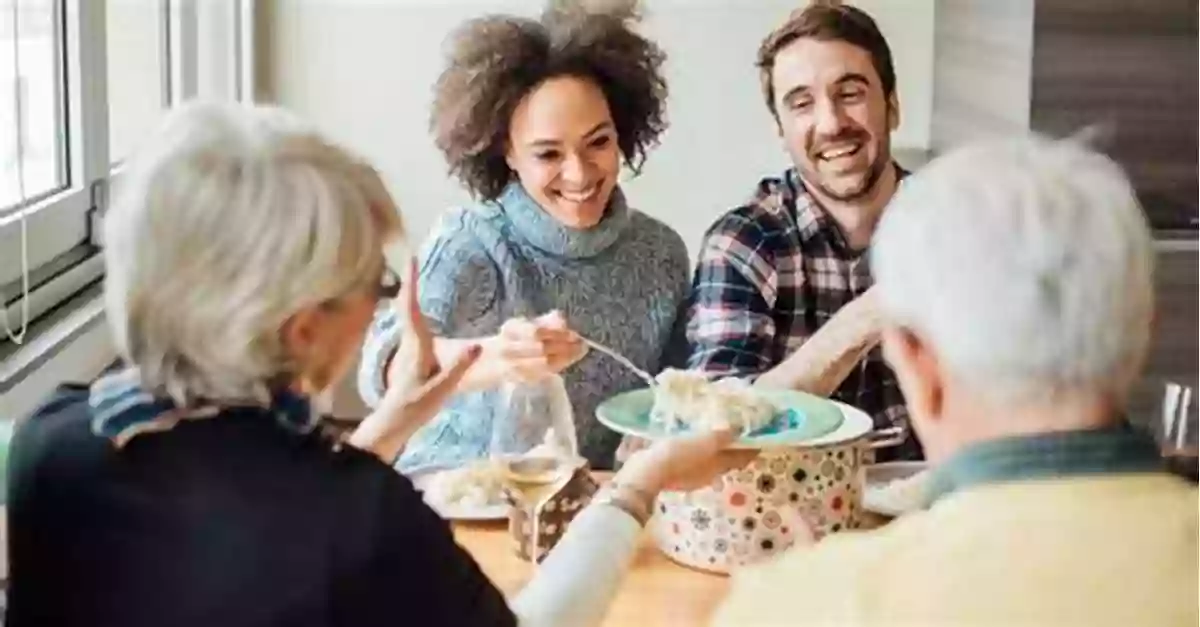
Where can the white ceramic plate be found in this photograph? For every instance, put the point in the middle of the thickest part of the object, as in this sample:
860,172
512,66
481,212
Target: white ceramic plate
880,492
456,511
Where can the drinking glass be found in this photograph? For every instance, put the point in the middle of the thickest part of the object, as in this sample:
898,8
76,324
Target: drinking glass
1176,429
533,439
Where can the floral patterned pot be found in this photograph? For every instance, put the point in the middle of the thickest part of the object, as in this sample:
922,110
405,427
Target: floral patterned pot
752,513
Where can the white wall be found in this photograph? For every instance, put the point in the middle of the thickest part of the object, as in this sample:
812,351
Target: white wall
363,70
983,70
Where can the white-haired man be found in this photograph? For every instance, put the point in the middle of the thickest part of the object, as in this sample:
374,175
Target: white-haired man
1015,278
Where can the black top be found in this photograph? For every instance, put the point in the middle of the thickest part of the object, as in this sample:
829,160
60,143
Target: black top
224,522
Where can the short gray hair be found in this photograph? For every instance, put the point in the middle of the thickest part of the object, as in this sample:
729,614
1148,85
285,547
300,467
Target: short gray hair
1028,266
233,219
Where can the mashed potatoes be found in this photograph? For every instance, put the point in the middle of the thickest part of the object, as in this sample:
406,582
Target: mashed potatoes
690,398
476,485
481,484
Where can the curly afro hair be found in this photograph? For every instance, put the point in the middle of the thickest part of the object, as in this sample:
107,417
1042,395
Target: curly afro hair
493,62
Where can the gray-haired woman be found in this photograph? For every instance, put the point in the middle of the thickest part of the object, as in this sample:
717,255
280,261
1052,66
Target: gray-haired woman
245,259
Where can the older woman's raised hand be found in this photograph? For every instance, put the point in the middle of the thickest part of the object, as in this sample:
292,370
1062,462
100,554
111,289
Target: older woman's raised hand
416,375
684,462
418,384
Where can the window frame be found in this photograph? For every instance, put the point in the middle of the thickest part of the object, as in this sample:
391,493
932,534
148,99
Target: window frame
62,227
58,226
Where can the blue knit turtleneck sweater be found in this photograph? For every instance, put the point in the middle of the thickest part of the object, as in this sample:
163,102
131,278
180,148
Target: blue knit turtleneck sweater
619,283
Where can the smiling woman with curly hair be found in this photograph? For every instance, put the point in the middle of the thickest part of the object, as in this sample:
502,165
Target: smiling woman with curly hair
496,62
536,117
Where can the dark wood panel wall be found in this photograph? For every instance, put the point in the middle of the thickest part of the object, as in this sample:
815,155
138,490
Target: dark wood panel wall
1057,66
1132,67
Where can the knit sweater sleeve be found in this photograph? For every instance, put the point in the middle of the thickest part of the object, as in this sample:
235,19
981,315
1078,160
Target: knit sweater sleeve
459,280
458,287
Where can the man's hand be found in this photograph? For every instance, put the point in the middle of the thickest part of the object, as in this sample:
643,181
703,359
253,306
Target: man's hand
825,360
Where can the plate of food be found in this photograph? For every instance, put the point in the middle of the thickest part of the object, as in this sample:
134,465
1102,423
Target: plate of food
474,491
895,488
683,400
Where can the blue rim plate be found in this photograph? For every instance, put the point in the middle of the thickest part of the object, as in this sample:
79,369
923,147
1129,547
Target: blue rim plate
801,418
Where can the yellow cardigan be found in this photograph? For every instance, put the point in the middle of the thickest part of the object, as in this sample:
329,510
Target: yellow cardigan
1084,550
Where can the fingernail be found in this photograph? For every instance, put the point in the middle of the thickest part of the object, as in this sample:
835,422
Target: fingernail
474,350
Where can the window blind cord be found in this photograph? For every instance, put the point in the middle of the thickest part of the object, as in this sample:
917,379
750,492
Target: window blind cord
19,336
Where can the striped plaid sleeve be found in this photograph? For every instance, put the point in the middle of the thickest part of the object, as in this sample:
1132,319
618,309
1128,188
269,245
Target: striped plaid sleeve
730,328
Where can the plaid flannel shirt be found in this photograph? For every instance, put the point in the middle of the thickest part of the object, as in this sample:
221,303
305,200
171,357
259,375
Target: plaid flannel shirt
770,274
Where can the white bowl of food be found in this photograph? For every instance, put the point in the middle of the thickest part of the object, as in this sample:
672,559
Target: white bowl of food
896,488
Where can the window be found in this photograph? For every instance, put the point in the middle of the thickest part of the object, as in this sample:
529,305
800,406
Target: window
31,154
82,84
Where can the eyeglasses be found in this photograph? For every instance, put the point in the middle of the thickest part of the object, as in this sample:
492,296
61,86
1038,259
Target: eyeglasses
389,284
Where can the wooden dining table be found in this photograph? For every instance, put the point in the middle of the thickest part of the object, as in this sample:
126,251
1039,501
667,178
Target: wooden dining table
655,591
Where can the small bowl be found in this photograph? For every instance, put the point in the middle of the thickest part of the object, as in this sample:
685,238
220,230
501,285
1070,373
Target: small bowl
878,476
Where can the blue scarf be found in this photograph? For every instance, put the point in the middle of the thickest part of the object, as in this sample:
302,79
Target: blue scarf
123,409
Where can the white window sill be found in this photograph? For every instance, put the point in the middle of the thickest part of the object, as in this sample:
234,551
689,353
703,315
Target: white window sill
49,336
